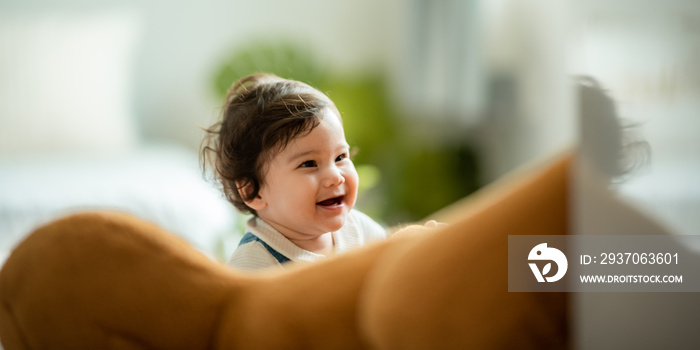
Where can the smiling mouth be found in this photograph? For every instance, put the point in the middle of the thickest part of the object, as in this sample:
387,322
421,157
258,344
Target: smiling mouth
331,201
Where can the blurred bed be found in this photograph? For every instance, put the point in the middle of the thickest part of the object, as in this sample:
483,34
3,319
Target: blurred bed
161,184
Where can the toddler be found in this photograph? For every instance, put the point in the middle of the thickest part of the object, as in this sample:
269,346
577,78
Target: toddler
280,153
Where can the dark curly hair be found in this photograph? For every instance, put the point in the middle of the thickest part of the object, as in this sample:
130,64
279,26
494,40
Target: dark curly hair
262,114
614,146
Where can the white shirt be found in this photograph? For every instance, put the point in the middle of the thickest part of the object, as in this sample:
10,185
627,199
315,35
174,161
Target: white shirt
359,229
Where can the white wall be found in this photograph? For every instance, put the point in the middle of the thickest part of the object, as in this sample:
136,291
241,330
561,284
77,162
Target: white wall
530,108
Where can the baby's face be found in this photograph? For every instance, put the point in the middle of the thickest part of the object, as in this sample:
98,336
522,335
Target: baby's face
311,185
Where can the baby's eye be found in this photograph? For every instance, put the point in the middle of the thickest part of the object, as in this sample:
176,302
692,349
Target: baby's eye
341,157
308,164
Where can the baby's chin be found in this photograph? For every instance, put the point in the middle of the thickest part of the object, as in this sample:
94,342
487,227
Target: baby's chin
336,223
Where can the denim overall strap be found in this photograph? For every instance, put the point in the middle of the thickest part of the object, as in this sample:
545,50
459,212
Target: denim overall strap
249,237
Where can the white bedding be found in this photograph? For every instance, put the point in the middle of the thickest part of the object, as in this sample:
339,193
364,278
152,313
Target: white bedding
161,184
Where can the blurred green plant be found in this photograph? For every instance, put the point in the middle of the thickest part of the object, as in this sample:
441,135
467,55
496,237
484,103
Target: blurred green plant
401,179
280,57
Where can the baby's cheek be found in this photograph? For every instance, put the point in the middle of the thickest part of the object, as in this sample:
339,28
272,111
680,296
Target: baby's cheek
352,175
352,181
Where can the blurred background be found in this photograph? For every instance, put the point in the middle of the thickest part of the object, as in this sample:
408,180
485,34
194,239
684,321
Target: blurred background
102,104
430,92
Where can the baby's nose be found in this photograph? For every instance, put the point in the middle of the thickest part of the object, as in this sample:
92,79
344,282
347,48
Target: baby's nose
334,177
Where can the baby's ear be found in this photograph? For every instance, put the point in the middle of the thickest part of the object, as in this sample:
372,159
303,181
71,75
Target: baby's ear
245,190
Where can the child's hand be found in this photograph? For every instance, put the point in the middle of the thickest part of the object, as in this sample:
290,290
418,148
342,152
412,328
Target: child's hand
435,224
429,226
